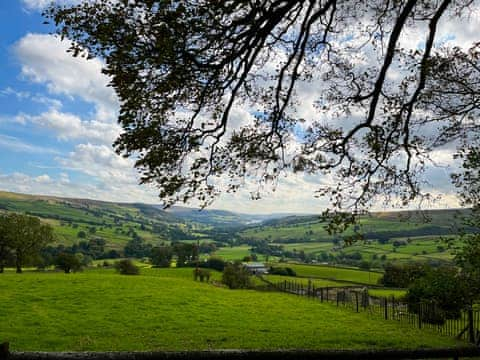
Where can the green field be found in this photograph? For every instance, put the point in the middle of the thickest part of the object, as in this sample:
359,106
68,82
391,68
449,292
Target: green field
336,273
164,309
318,283
387,293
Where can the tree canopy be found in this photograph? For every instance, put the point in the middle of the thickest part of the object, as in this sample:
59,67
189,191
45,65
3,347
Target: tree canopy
182,69
21,239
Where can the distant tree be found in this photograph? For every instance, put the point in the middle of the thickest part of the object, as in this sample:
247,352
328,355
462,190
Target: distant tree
137,247
68,262
185,253
161,256
365,265
81,234
236,276
216,263
396,275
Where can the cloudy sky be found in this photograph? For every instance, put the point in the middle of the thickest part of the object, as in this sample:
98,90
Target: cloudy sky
58,121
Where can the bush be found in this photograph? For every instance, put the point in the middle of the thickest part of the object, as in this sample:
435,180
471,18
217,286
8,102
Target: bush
126,267
236,276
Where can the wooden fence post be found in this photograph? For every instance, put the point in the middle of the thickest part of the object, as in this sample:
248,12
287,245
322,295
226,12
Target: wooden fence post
321,294
420,316
4,352
385,303
471,329
356,300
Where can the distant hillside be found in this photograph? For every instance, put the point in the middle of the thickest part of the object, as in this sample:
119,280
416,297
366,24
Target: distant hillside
115,222
379,226
220,217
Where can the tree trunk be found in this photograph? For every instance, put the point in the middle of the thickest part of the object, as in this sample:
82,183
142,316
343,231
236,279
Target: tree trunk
18,264
2,266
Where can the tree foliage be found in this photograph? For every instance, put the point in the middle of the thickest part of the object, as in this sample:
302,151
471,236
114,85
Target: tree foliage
236,276
21,238
444,289
181,69
68,262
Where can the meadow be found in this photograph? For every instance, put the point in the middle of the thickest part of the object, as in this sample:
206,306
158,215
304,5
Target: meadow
164,309
339,274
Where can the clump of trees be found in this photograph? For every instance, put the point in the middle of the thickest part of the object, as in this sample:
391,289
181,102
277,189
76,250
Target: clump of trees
285,271
21,239
236,276
402,275
68,262
441,293
161,256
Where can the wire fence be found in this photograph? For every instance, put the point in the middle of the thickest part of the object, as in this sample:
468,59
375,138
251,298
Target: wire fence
462,325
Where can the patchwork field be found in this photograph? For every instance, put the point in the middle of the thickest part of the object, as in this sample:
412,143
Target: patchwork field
166,309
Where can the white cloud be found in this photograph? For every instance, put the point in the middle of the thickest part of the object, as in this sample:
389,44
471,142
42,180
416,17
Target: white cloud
101,162
42,4
16,145
68,126
44,59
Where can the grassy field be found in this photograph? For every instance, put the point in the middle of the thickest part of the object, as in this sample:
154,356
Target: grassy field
165,309
388,293
336,273
304,281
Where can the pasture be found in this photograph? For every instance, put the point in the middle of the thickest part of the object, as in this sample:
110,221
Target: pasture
336,273
164,309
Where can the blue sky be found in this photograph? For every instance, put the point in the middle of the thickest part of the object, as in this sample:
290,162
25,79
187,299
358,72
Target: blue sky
58,120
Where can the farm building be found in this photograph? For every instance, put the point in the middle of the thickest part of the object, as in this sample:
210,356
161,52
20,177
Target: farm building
256,268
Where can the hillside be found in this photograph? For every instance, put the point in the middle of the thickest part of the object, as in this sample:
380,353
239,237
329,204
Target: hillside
164,309
374,226
221,218
78,219
75,220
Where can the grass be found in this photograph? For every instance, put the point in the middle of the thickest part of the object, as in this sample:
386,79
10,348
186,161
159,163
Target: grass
304,281
163,309
388,293
336,273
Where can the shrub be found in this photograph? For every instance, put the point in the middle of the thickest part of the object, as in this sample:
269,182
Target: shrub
236,276
126,267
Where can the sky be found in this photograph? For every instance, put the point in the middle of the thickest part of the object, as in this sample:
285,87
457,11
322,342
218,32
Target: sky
58,121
